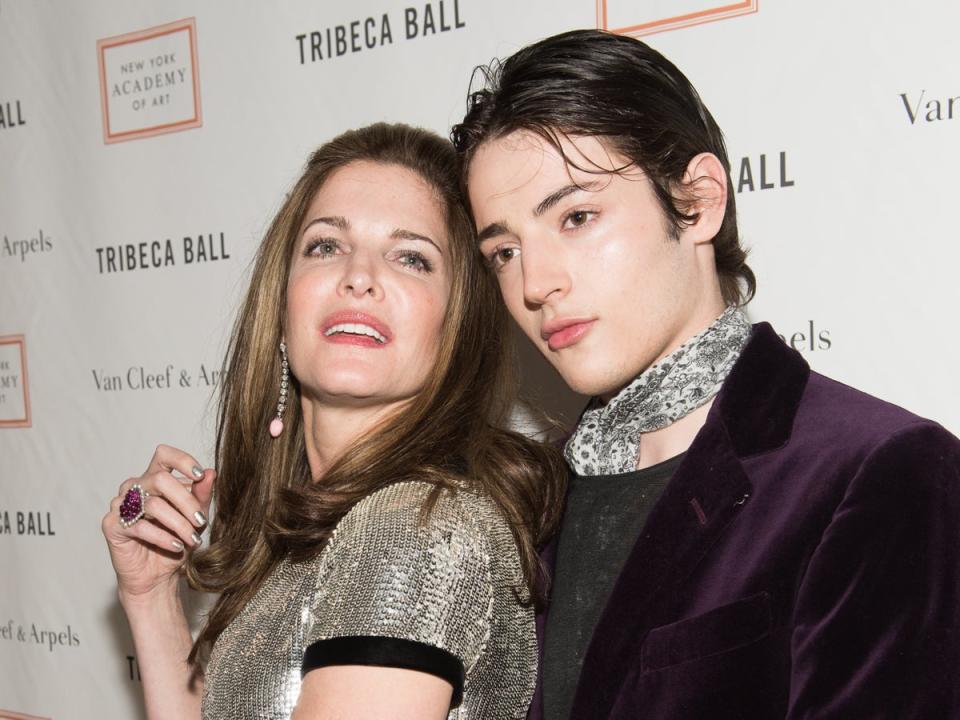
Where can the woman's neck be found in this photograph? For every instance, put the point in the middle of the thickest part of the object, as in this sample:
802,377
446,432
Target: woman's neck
330,429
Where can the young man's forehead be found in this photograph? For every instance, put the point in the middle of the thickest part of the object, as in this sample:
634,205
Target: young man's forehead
578,149
579,158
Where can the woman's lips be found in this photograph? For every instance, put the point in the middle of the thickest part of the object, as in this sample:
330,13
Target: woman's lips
566,333
351,339
355,328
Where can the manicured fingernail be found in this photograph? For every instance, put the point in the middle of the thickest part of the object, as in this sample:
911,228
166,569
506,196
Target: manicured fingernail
196,538
200,518
177,545
197,471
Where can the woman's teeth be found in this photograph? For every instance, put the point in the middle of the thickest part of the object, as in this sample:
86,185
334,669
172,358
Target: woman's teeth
355,329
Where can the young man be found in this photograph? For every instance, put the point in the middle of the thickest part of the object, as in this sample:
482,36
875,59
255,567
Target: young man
743,538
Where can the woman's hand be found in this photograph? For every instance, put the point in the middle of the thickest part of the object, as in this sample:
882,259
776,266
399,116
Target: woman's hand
148,554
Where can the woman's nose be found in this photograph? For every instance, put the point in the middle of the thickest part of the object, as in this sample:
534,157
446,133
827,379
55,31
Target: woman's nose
359,278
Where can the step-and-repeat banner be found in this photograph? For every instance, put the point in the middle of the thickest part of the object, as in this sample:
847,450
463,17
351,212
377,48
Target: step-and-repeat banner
145,146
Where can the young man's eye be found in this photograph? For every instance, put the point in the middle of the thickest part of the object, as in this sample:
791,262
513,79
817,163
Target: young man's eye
577,218
501,256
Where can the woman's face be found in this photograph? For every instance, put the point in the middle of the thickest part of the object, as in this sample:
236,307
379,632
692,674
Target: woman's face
368,287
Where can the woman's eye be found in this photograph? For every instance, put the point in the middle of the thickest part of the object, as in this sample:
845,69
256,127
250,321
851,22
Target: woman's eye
323,248
415,261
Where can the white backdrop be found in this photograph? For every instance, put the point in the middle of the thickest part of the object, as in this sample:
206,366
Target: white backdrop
145,146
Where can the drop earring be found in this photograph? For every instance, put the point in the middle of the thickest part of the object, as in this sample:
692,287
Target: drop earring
276,425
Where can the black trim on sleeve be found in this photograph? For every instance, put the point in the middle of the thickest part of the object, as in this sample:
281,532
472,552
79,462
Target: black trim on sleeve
387,652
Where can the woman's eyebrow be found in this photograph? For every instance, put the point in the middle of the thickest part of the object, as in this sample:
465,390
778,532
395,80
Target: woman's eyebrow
337,221
401,234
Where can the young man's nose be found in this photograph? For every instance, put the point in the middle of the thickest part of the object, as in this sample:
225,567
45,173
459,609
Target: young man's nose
545,275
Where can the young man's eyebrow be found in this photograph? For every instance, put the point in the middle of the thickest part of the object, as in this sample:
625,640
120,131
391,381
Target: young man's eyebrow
492,230
501,228
553,198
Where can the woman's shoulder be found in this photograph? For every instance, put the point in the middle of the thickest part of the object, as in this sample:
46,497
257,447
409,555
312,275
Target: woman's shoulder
424,566
420,508
408,494
411,560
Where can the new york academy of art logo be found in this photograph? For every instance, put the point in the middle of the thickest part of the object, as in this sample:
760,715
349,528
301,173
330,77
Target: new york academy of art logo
14,388
629,17
150,82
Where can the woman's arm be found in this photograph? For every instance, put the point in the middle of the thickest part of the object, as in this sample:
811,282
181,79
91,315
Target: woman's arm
363,692
162,641
147,553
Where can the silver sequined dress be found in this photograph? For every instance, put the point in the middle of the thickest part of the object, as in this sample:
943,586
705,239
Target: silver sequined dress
446,585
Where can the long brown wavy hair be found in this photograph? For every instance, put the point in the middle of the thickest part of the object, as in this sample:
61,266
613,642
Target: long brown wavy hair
267,505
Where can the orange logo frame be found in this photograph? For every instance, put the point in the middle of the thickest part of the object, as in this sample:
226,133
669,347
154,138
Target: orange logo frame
712,14
24,421
188,24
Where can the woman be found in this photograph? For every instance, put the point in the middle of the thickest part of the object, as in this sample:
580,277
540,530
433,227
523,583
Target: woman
380,537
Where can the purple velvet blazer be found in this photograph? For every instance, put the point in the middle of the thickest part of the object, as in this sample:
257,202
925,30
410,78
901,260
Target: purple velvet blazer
803,562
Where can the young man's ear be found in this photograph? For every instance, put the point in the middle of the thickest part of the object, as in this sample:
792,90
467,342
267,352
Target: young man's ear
705,187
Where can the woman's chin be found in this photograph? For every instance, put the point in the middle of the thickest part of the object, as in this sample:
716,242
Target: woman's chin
356,392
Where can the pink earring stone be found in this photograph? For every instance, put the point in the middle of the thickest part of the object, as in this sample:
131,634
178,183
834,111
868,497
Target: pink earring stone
276,427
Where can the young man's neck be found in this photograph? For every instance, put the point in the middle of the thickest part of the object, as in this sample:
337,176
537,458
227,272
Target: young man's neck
668,442
676,438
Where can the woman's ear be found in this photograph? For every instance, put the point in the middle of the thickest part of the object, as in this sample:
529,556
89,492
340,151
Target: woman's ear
705,190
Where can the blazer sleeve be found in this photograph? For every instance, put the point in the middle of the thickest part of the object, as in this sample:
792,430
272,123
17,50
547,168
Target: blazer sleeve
877,619
396,588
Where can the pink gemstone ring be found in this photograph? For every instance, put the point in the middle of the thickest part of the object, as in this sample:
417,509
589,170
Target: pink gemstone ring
131,509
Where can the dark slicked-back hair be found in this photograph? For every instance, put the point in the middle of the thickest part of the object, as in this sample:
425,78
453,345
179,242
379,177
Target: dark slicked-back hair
619,90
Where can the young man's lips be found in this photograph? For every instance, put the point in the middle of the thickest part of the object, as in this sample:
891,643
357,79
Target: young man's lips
569,334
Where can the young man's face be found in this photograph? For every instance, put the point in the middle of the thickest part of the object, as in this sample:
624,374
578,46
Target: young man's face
592,275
